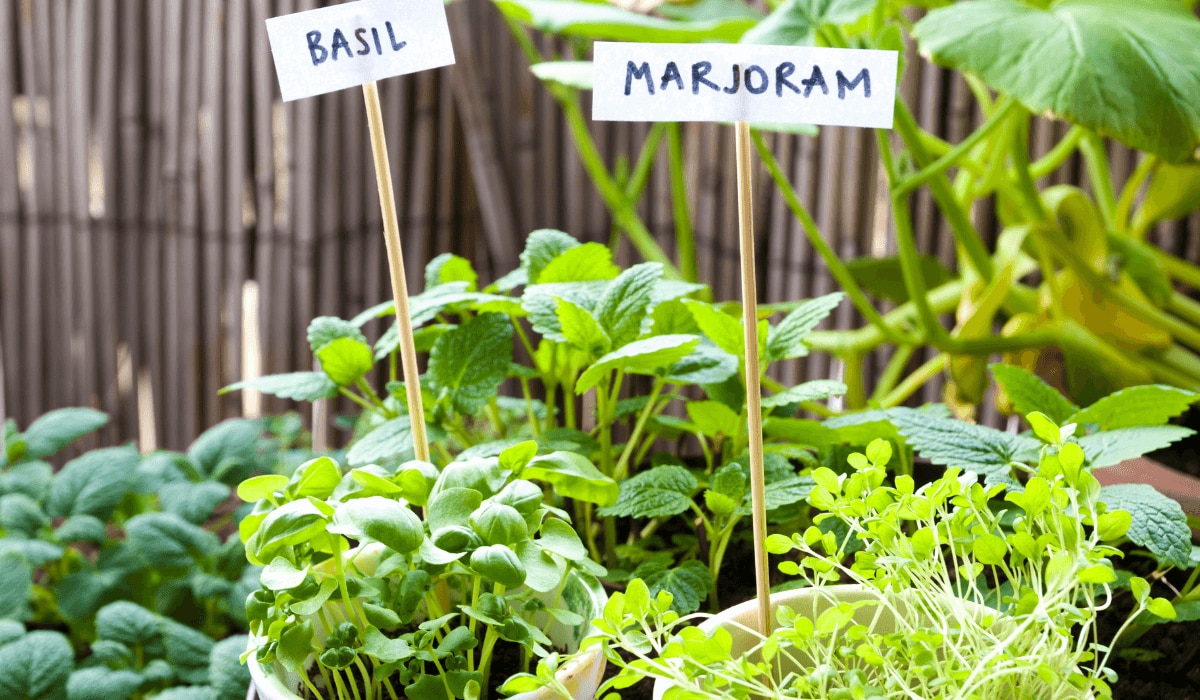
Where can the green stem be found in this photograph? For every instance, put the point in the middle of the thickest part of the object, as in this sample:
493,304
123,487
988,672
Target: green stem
1178,268
1185,307
356,399
892,372
1130,190
612,194
956,215
535,428
1020,155
489,642
910,268
836,267
685,240
622,466
942,299
914,381
636,182
1059,154
1092,148
950,159
852,377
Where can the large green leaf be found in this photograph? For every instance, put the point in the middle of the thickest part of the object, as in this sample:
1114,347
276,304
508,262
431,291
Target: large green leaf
687,583
36,667
469,363
1159,524
227,451
57,429
659,492
604,22
572,476
645,356
16,583
1149,404
795,22
971,447
1029,393
1113,446
1129,69
622,311
93,484
297,386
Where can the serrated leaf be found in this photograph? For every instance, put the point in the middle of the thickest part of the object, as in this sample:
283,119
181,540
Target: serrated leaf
646,356
1029,393
723,330
194,503
1159,523
542,246
447,268
1108,448
57,429
688,583
815,390
955,443
786,340
707,364
713,418
36,667
346,360
623,310
1137,80
659,492
784,492
294,386
540,304
580,263
323,330
469,363
1150,404
581,329
93,484
388,441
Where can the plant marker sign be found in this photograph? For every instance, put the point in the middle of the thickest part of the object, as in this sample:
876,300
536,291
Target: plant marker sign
743,83
357,43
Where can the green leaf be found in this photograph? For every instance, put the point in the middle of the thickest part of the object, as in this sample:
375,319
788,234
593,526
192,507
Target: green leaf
30,478
82,528
786,340
1150,404
1173,194
229,677
499,563
36,667
989,549
93,484
723,330
1114,446
1029,393
388,441
688,583
281,575
572,476
1137,80
795,22
559,537
317,478
882,276
623,311
20,514
713,418
381,519
540,303
543,573
384,648
497,523
1158,522
785,492
659,492
187,651
469,363
707,364
194,503
542,246
323,330
955,443
572,74
103,682
646,356
227,451
581,329
294,386
603,22
261,486
815,390
447,268
16,585
580,263
57,429
346,360
167,540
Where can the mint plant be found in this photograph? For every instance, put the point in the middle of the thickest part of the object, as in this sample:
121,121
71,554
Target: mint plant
992,591
115,580
632,343
358,590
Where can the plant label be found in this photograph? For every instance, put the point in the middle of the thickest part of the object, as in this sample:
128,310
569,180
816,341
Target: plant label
336,47
743,82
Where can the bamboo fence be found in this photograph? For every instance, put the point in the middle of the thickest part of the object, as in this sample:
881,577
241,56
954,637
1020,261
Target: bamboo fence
148,172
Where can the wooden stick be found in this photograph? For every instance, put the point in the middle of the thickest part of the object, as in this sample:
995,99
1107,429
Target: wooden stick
252,399
758,516
391,235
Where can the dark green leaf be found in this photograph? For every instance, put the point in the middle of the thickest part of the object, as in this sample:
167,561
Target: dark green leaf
227,451
659,492
95,683
688,583
1159,523
469,363
882,277
295,386
786,340
36,667
167,540
20,514
194,503
795,22
389,441
1029,393
93,484
16,585
1150,404
971,447
1114,446
187,651
57,429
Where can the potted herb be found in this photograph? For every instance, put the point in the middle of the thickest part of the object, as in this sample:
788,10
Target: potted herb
380,583
958,590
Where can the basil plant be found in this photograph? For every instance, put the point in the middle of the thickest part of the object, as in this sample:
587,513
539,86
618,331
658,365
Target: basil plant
405,581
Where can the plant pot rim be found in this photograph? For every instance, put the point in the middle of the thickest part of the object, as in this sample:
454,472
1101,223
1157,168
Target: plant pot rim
587,668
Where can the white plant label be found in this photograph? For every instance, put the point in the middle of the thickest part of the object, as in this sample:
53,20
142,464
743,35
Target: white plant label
337,47
743,82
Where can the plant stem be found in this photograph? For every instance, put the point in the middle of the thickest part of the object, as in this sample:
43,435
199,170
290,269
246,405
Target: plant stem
622,467
952,158
1130,190
1058,155
892,372
852,377
910,267
914,381
1092,148
942,299
836,267
685,240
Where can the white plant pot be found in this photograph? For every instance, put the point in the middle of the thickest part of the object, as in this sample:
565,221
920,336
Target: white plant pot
581,594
